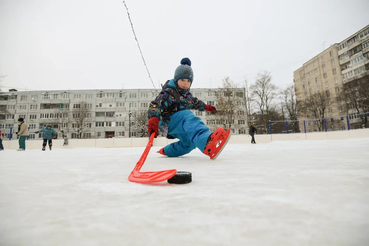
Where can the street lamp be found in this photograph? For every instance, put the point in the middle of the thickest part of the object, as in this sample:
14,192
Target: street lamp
129,127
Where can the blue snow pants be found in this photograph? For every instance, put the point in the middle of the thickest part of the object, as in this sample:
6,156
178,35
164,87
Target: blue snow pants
190,131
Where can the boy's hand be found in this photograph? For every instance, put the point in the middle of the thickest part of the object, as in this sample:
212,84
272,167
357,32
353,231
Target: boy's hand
210,109
153,126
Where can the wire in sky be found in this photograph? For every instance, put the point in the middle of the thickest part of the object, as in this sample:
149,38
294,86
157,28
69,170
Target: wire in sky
138,44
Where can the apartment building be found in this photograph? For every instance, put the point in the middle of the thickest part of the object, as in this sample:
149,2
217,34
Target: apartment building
329,73
110,113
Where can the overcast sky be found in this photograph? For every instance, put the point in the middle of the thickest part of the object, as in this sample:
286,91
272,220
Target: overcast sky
80,44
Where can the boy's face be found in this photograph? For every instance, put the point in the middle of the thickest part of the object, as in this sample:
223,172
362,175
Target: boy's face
184,83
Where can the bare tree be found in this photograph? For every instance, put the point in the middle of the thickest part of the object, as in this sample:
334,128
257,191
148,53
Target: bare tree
230,104
290,106
81,117
355,95
315,107
141,122
263,93
248,98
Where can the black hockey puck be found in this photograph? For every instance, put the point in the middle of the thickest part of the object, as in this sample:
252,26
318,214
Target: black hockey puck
181,177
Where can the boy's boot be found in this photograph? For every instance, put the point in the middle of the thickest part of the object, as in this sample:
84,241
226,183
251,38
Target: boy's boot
50,146
43,148
216,142
161,151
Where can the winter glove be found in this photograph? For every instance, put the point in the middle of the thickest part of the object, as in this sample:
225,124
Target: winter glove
153,126
210,109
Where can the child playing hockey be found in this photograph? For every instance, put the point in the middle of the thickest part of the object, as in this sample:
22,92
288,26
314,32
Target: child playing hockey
170,112
49,132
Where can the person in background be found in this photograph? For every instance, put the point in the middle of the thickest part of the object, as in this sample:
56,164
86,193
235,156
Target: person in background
252,131
22,133
1,142
65,137
49,132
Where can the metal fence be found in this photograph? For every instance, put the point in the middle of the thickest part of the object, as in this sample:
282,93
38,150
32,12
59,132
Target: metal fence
339,123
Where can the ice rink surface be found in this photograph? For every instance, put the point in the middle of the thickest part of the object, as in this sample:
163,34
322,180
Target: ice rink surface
280,193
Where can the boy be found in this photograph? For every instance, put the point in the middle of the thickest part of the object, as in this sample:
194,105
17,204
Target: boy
170,112
22,133
49,132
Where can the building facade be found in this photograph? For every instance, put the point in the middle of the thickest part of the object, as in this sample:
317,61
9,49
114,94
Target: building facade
106,113
327,74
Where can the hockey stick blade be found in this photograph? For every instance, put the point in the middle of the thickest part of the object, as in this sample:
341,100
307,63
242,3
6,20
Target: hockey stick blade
149,177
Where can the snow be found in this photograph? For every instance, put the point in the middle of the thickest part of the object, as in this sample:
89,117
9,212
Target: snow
280,193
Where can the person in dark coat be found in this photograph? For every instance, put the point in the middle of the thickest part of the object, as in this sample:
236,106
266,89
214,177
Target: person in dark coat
1,142
252,131
49,132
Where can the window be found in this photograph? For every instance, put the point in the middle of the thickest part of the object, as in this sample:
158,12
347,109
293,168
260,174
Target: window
22,106
315,71
87,135
322,58
23,98
211,103
308,75
22,116
330,53
110,114
317,87
316,80
315,64
241,122
10,106
334,71
76,105
33,107
198,94
88,96
303,86
326,84
210,93
198,113
132,105
325,75
144,105
119,124
120,105
100,114
99,124
337,89
335,80
132,95
309,83
32,136
330,110
327,93
144,95
323,67
120,134
34,97
32,126
107,123
32,116
239,94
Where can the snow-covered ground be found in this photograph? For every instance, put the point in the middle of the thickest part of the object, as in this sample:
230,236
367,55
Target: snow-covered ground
280,193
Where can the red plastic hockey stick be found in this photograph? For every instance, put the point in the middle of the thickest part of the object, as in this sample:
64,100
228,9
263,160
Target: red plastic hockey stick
149,177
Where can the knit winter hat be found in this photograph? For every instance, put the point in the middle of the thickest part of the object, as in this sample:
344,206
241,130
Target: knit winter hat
184,71
21,119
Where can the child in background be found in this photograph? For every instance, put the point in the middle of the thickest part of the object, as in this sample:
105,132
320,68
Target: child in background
49,132
170,112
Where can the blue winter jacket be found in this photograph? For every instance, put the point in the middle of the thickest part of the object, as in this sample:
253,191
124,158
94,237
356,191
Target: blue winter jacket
48,133
171,100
